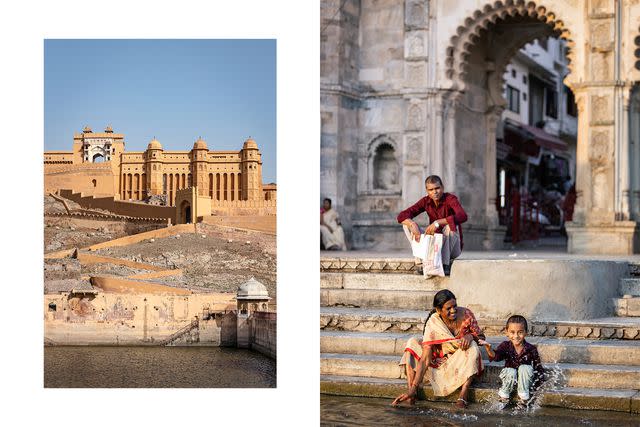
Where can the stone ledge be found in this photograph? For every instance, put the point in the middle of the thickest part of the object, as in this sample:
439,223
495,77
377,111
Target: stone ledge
412,322
572,398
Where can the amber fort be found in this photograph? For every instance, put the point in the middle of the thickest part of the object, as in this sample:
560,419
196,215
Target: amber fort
227,182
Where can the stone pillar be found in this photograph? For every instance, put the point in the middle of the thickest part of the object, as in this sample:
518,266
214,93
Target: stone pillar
340,107
601,221
420,156
599,225
634,155
494,237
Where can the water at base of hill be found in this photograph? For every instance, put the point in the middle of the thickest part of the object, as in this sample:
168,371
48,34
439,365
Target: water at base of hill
149,367
355,411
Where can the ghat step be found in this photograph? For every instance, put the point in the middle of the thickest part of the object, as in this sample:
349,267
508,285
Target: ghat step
565,397
381,281
627,306
412,300
630,286
567,374
412,321
552,350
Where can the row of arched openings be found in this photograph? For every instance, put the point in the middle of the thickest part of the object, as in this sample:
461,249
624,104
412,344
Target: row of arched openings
134,186
225,186
221,186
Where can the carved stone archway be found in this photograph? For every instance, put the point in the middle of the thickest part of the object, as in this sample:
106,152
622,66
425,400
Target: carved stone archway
476,59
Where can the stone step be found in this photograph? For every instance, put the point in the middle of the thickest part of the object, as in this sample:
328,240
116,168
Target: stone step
564,397
630,286
381,281
627,307
552,350
562,374
634,269
410,300
412,321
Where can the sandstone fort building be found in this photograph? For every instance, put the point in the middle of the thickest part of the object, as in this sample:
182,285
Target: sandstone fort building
225,182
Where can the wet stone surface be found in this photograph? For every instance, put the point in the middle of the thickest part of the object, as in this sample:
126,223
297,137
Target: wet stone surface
338,410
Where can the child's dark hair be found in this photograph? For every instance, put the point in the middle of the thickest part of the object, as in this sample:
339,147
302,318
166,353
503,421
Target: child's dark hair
439,300
520,320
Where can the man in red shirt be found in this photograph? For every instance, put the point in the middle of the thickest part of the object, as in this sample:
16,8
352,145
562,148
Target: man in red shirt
445,216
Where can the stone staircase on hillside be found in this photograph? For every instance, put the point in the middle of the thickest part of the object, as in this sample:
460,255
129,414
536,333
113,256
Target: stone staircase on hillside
371,307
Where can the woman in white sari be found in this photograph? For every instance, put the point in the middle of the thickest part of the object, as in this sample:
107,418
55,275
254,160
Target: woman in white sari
448,353
331,230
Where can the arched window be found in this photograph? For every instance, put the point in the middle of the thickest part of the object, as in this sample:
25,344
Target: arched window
233,186
224,178
385,168
94,182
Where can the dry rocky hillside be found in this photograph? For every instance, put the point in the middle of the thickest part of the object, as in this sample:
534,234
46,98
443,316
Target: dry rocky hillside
216,259
66,232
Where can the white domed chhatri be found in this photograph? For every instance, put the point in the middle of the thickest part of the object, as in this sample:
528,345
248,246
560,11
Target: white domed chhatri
252,289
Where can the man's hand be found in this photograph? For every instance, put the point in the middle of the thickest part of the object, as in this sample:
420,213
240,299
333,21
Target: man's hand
415,230
465,341
430,229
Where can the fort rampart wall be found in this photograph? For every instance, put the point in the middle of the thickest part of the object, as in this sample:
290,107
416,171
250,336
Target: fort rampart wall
97,318
120,207
263,333
96,179
124,319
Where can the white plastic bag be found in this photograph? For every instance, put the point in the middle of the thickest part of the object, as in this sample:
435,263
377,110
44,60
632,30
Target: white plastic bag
432,261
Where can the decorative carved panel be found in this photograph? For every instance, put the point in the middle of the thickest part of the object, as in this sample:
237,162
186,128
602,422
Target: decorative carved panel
602,35
601,109
415,45
413,150
416,74
599,149
415,117
600,190
600,66
380,205
600,6
416,14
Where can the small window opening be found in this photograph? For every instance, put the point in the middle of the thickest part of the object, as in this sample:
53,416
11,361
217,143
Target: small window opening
52,306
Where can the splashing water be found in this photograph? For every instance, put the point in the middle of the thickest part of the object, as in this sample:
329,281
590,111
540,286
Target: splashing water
554,378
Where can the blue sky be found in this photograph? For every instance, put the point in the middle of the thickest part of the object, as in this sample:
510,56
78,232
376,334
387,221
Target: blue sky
176,90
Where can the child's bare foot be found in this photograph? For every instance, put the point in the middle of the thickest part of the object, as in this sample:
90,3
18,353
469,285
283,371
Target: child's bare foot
503,402
522,403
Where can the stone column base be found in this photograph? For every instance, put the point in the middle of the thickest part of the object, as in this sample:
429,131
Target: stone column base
385,235
481,237
618,238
